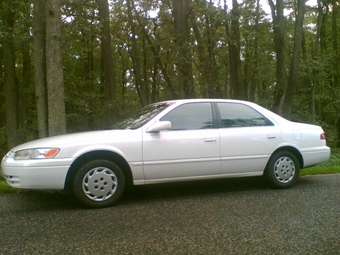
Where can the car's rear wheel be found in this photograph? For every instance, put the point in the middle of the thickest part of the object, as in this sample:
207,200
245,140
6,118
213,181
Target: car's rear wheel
282,170
99,183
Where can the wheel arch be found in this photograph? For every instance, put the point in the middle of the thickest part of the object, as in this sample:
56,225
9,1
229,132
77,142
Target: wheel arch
94,155
292,150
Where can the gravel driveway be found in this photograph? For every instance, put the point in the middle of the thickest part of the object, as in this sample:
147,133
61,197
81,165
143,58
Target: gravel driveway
241,216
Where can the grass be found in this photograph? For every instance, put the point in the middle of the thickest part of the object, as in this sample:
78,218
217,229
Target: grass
5,188
320,170
332,166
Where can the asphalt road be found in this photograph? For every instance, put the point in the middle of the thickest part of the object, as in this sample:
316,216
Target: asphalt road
240,216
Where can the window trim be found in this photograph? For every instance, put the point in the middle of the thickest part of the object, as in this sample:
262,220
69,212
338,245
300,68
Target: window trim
219,118
214,115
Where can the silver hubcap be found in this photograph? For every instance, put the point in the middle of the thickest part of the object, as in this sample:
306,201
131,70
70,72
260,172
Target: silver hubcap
284,169
100,183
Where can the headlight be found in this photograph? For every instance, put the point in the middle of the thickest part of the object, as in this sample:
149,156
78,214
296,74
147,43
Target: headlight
8,155
36,153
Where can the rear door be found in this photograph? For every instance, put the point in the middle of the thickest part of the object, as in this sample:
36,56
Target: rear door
247,139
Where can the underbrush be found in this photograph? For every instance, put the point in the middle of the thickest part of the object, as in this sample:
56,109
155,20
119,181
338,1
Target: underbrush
334,160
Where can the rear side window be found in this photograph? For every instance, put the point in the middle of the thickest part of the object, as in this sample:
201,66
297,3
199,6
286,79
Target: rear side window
240,115
190,116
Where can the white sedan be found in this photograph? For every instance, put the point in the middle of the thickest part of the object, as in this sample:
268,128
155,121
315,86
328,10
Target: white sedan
170,141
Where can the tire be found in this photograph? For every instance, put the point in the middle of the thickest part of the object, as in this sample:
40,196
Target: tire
282,170
99,183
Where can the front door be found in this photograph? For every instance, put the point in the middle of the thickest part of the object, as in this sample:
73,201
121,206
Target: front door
190,149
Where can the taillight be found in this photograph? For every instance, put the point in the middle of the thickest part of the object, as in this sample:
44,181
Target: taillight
323,136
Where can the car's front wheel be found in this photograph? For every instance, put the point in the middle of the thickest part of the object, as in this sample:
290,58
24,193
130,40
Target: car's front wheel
99,183
282,170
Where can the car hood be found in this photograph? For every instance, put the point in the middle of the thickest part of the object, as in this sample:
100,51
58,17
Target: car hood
83,138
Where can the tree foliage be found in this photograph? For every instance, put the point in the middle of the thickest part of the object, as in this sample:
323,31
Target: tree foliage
122,54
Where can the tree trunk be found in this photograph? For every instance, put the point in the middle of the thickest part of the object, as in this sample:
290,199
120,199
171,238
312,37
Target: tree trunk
184,63
206,55
294,69
24,92
336,67
323,12
106,60
39,61
136,61
319,49
254,74
336,72
2,84
54,69
157,59
11,81
233,38
280,50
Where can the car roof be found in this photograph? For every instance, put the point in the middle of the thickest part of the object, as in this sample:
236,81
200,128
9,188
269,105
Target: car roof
207,100
182,101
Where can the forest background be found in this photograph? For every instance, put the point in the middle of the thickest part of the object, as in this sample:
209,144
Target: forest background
77,65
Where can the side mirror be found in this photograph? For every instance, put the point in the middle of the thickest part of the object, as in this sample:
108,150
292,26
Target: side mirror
159,126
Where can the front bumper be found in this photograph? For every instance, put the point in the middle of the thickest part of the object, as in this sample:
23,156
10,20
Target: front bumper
51,178
46,174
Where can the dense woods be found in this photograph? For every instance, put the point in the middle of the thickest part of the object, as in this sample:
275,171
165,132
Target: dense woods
76,65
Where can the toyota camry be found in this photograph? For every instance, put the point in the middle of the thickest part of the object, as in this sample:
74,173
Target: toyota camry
171,141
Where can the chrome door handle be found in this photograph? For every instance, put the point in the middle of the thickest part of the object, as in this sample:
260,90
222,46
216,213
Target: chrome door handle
271,136
210,140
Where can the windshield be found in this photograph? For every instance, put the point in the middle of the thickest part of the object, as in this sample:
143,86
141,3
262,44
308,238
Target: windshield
142,116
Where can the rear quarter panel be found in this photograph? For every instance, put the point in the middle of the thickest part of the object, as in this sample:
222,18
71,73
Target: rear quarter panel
306,138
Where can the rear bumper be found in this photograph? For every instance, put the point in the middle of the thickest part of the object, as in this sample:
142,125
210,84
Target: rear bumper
316,156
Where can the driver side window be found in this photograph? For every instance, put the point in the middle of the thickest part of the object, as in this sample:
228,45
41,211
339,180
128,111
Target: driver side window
190,116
